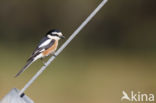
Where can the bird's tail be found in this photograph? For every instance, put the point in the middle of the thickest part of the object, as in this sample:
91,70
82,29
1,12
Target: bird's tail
29,62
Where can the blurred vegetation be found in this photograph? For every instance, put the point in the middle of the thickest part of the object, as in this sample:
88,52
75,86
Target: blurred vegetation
114,52
121,24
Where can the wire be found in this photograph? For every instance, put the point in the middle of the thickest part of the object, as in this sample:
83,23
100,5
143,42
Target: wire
63,46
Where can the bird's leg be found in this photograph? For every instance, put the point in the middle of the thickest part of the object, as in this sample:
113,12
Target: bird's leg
43,61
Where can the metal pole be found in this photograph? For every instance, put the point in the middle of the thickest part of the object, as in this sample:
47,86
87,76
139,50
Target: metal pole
64,45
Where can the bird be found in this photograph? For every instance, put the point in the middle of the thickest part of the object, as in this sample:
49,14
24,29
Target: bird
47,45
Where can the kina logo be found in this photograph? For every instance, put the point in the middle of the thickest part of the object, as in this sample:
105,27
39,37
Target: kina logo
137,97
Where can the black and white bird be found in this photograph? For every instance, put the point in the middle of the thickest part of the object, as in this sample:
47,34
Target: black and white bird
46,46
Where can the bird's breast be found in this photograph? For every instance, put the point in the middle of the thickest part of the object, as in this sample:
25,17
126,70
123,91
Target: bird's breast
51,50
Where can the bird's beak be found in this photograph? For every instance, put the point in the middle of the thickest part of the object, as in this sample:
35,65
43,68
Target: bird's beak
62,37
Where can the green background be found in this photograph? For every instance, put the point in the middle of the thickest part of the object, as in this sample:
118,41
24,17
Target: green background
116,51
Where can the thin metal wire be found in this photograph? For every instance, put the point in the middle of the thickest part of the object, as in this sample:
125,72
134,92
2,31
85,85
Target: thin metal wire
63,46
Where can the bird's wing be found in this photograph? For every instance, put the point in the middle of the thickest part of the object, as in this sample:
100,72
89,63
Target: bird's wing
36,55
44,42
39,49
49,45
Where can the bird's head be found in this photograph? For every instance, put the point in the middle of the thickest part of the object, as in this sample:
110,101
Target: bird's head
55,34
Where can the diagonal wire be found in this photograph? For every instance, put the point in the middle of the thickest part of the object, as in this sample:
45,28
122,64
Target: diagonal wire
63,46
